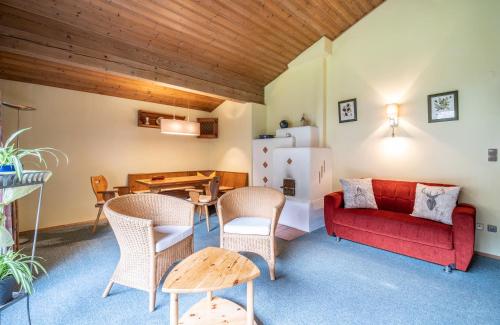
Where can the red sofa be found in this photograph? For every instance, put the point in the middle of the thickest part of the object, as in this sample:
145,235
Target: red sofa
392,228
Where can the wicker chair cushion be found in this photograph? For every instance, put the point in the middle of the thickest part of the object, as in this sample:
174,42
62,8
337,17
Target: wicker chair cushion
166,236
249,226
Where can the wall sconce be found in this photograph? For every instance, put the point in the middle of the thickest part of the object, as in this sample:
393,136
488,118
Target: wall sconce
392,114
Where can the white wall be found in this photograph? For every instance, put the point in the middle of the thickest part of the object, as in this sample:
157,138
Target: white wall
401,52
300,90
100,135
232,150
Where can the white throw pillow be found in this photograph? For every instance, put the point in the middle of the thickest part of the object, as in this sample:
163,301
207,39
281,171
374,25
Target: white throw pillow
435,202
358,193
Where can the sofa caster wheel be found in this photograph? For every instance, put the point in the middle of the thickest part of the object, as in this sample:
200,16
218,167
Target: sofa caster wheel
448,268
338,239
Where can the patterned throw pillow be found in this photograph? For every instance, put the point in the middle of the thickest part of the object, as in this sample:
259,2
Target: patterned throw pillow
358,193
435,202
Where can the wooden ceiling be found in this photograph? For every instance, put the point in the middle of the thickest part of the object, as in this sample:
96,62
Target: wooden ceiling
226,48
28,69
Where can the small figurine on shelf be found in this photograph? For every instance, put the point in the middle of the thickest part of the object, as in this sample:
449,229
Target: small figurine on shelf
146,120
304,121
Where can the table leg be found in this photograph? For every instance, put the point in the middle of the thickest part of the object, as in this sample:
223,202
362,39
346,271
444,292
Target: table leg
209,298
174,309
207,216
250,303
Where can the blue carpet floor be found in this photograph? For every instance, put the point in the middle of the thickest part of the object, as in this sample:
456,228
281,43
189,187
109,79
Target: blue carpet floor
319,281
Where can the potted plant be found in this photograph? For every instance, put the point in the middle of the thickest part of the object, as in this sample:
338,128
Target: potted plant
11,155
11,161
16,267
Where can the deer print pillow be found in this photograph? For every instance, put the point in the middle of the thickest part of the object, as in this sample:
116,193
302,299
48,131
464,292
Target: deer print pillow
358,193
435,202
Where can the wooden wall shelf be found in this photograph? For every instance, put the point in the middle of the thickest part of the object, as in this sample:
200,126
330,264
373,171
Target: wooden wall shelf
146,119
209,128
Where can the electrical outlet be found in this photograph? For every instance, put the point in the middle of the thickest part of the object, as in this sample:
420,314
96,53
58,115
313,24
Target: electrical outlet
493,154
492,228
479,226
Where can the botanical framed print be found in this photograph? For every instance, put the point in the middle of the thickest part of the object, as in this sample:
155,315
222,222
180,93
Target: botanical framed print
443,107
348,111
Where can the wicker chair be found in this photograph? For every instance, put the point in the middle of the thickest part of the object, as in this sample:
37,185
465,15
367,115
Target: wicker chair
153,231
248,217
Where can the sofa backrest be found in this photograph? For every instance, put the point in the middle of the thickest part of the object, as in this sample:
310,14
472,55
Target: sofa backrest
397,196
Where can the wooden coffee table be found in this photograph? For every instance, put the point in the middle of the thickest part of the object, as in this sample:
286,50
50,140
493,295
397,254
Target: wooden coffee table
208,270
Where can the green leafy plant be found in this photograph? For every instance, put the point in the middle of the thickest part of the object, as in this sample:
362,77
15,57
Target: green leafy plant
10,154
21,267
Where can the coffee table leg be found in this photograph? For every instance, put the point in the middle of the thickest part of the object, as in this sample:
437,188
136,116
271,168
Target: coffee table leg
250,303
174,309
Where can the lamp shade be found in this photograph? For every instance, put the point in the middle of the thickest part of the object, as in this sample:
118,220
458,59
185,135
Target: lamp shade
180,127
392,111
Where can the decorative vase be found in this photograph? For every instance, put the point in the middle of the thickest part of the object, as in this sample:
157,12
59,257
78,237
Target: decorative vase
7,286
283,124
7,168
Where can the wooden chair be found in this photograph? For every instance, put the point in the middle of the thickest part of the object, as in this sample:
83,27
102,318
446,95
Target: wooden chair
102,194
202,202
153,231
248,217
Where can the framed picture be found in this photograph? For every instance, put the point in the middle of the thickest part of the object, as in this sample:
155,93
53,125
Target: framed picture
347,111
443,107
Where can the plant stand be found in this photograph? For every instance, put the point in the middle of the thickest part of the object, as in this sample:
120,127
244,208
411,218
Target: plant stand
30,181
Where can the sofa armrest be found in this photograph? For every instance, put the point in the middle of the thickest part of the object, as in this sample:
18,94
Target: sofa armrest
332,202
335,199
464,225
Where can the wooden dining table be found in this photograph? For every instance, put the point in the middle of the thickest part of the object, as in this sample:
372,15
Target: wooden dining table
157,185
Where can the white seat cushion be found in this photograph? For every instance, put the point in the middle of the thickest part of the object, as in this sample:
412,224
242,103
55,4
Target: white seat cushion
249,226
166,236
205,198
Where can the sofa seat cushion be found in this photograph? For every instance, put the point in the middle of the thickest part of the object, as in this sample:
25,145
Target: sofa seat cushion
249,226
397,225
167,236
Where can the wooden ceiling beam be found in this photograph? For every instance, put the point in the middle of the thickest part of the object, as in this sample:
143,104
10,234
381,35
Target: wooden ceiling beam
228,48
77,46
113,20
82,79
170,58
120,67
29,69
